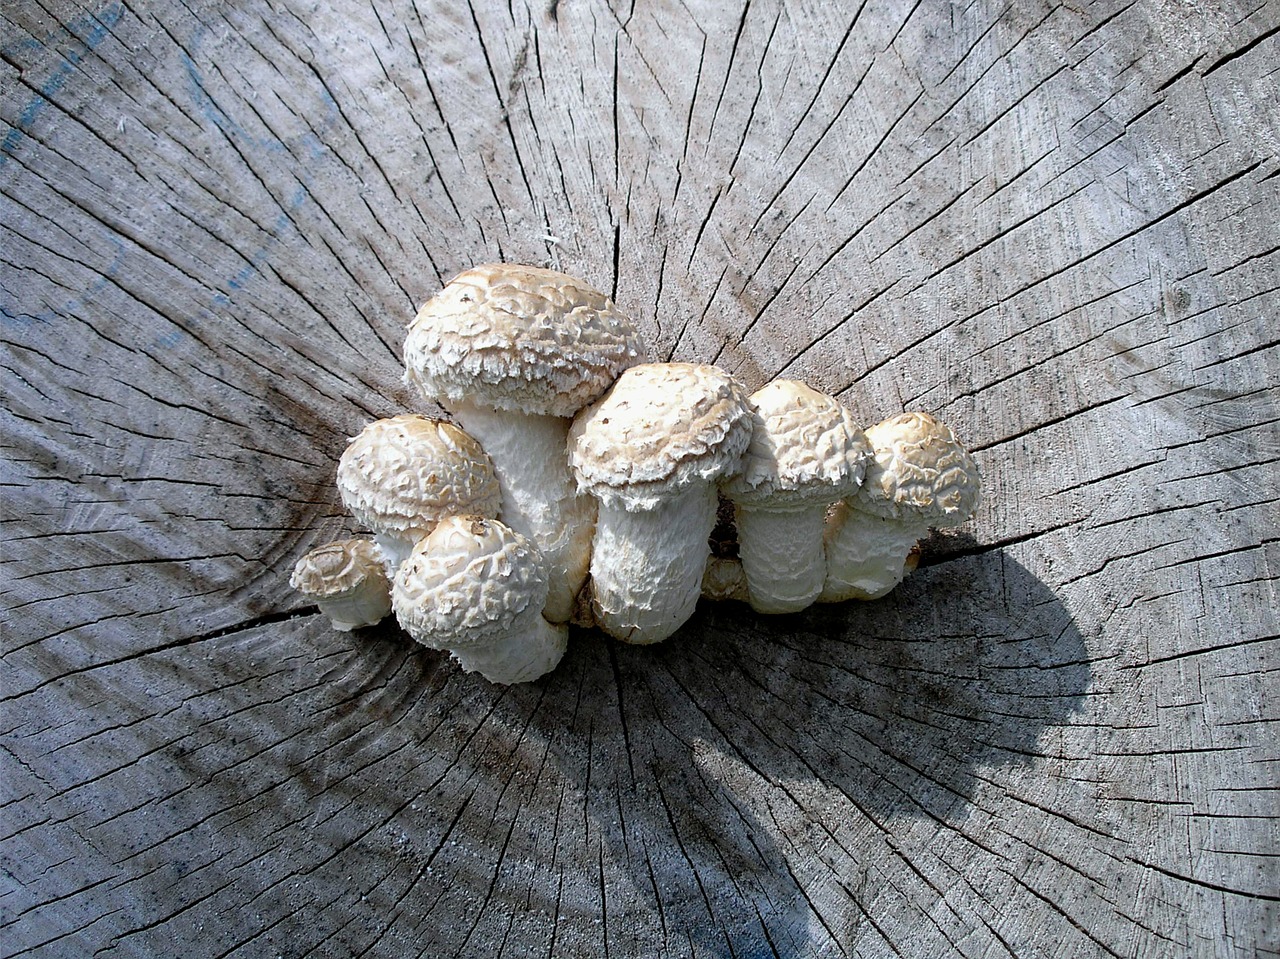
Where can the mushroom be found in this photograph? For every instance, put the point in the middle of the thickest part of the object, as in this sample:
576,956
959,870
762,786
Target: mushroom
476,588
513,352
401,475
651,451
347,580
805,454
920,477
723,579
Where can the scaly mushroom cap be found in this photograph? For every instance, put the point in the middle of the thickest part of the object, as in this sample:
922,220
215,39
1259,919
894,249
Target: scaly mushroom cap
918,471
337,567
660,428
805,450
401,474
519,338
348,582
471,582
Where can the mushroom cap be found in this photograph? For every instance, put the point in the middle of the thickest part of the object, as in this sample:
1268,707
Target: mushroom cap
519,338
470,582
403,473
805,450
659,429
337,567
918,471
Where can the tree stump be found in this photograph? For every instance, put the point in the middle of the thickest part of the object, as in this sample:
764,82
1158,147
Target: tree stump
1052,225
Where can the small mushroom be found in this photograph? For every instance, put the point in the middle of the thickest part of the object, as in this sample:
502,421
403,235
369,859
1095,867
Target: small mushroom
805,454
513,352
476,588
651,451
723,579
347,580
920,477
401,475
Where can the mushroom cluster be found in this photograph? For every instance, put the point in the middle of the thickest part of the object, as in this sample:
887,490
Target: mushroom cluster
578,482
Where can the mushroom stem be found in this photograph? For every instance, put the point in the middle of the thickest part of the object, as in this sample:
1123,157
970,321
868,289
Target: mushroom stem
395,548
517,659
782,556
539,497
647,565
866,555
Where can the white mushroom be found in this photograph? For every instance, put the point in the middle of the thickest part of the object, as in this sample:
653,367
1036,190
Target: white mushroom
513,352
805,454
920,477
401,475
476,588
723,579
347,580
651,450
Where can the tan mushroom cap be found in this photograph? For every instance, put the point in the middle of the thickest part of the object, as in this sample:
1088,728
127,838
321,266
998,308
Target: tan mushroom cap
471,582
519,338
918,471
348,582
403,473
338,567
659,429
805,450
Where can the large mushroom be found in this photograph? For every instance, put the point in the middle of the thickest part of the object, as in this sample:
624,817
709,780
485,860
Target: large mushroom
513,352
348,582
402,474
805,454
920,477
476,588
651,451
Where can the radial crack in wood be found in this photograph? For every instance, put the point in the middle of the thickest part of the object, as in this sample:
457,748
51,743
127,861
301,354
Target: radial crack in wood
1053,226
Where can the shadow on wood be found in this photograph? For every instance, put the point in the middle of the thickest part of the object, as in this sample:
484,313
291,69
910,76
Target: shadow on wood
901,708
690,792
1051,224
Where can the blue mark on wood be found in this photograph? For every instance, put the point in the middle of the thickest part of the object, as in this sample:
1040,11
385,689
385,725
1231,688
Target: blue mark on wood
88,32
13,316
312,145
309,145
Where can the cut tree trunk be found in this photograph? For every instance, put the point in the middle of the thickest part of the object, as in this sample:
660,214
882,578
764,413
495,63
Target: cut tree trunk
1053,226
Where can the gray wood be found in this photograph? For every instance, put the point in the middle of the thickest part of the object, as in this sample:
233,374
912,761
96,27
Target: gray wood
1052,225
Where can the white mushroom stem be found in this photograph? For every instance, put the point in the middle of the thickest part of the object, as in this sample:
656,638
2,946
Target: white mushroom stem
395,549
522,658
866,555
539,497
647,565
782,556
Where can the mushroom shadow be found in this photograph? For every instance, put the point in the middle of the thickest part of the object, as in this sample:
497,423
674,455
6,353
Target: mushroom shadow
717,761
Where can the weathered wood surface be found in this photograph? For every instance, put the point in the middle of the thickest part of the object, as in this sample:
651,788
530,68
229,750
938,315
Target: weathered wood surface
1053,225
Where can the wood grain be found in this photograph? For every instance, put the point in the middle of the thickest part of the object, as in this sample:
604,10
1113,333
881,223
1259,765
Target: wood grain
1052,225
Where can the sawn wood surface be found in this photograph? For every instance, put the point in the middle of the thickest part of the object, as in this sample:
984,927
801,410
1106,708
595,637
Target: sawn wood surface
1053,225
